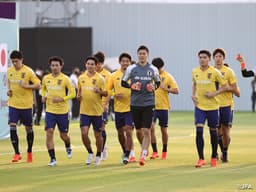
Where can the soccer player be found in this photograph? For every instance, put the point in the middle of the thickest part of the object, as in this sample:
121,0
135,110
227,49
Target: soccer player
225,102
204,92
142,76
106,74
245,72
168,85
21,82
56,90
91,89
123,115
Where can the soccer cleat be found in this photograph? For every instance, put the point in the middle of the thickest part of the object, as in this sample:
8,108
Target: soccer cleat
224,157
52,163
105,153
69,153
200,163
16,157
154,155
142,161
125,160
164,155
132,160
213,162
97,160
29,157
89,159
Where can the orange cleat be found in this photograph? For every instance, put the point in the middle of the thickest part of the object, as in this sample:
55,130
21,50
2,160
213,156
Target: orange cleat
29,157
164,155
154,155
214,162
16,158
142,161
132,160
200,163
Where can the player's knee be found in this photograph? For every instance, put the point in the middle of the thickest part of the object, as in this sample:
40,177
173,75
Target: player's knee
29,129
213,131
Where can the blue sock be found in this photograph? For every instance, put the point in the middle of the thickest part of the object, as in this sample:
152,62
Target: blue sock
214,142
200,142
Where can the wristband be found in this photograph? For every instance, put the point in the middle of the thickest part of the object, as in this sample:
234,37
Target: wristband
243,66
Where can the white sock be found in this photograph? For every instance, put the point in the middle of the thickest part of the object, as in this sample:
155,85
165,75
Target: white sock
144,153
132,153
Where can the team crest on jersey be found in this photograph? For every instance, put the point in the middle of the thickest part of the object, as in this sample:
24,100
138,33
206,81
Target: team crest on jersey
118,78
94,81
59,81
223,73
48,81
209,75
83,81
23,75
10,75
149,73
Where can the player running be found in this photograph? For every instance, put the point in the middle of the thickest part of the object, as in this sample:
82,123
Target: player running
204,92
56,91
123,115
142,76
225,102
21,82
168,85
106,74
91,89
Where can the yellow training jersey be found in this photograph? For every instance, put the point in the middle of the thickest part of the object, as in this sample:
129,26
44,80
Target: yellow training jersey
91,103
106,74
206,81
162,101
21,98
114,83
59,86
226,98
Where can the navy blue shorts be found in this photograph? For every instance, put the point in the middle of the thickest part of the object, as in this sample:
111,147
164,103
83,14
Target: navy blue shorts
24,115
212,117
226,116
61,120
123,119
162,116
96,121
105,117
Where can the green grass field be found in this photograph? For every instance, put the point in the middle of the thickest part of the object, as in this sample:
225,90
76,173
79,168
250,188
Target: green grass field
175,174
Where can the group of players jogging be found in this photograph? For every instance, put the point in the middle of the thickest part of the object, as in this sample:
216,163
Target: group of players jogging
141,97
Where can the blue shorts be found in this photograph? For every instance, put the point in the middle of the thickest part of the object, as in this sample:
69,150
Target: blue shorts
86,120
105,117
226,116
24,115
62,121
212,117
123,119
162,116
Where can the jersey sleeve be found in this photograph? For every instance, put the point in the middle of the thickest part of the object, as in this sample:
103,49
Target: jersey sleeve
71,90
110,84
232,77
33,78
171,82
156,76
43,90
127,74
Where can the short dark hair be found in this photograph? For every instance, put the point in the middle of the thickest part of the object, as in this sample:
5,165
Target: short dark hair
219,50
100,56
126,55
158,62
143,47
16,55
205,52
56,58
92,58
